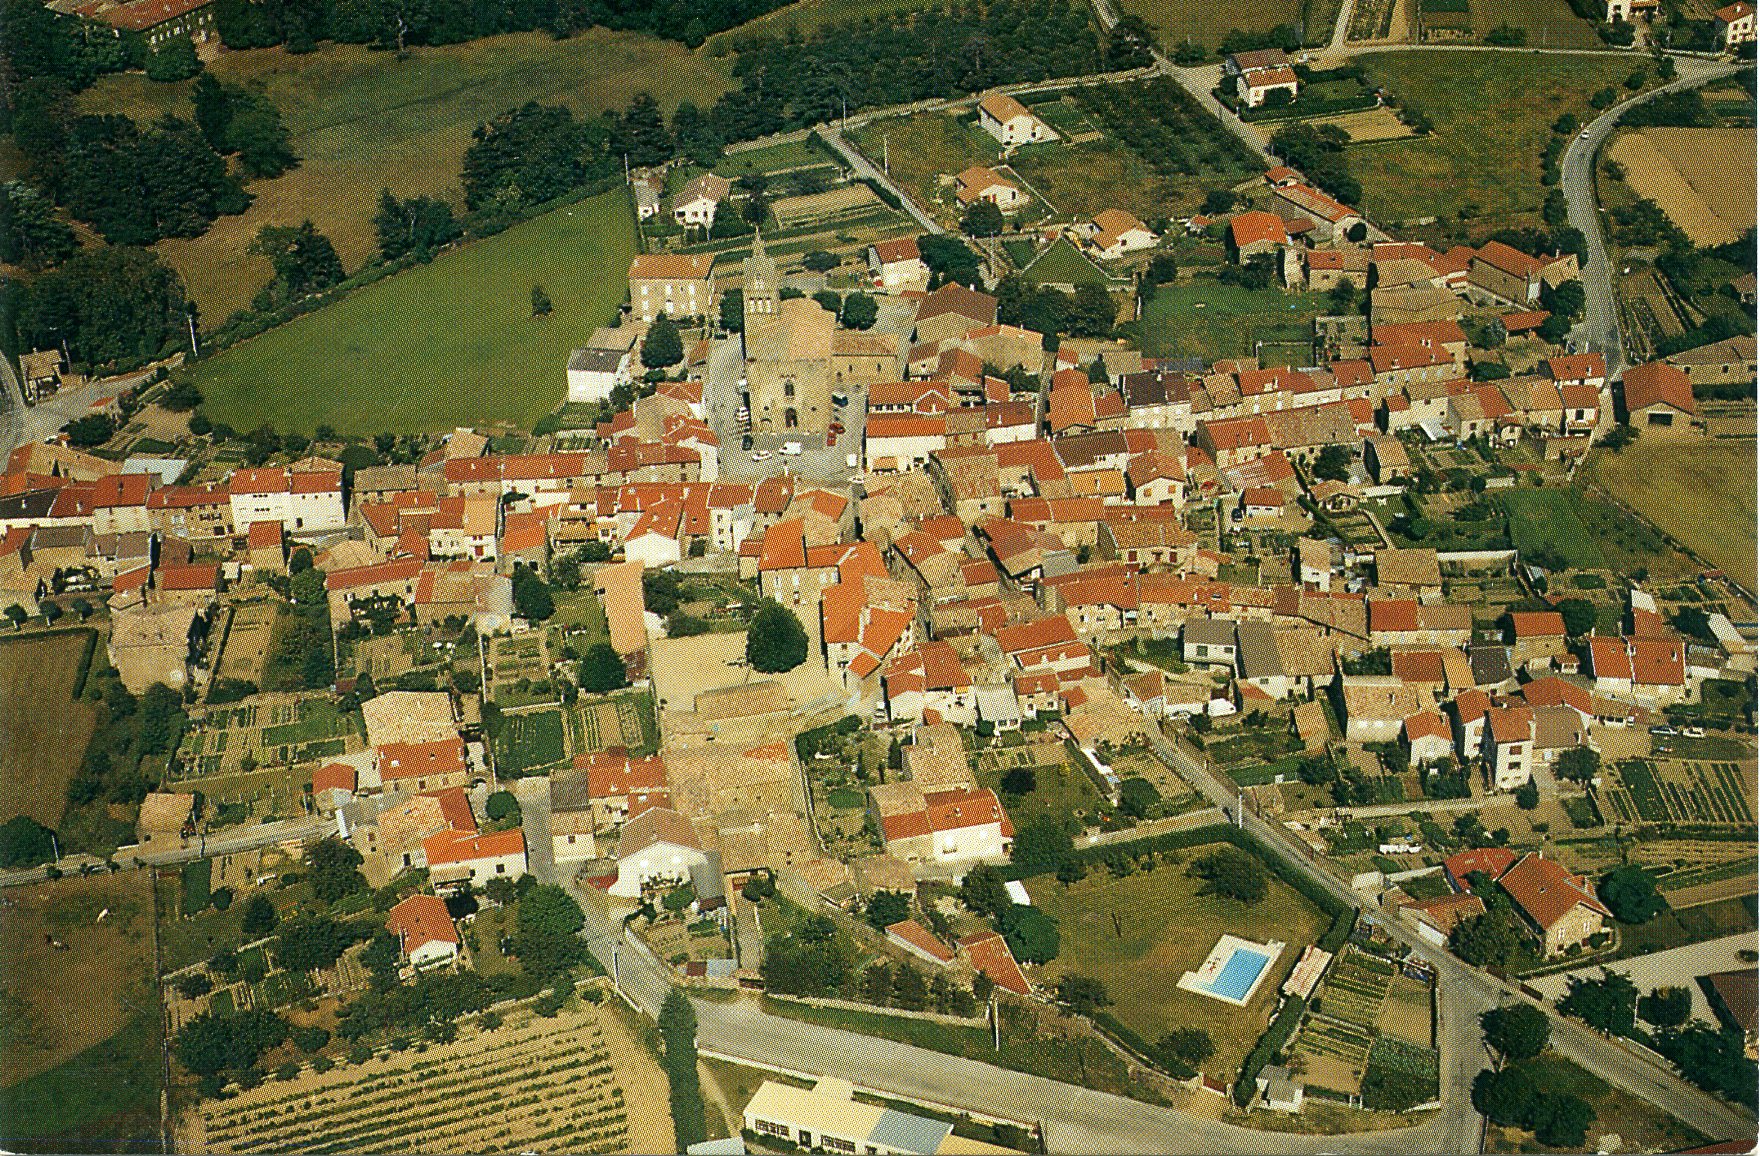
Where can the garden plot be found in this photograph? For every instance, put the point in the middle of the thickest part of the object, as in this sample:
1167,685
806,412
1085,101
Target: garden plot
528,743
277,730
519,670
547,1084
247,641
1680,791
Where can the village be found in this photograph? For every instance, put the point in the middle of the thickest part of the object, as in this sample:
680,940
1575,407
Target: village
958,638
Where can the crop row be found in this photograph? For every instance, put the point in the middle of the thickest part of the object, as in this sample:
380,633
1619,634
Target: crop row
378,1133
367,1105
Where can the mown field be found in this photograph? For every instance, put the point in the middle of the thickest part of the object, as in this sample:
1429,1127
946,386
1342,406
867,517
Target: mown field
43,732
1473,97
1119,932
1208,319
363,120
79,1028
447,344
1548,23
1671,488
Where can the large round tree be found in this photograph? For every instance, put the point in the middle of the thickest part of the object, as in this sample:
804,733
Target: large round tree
776,641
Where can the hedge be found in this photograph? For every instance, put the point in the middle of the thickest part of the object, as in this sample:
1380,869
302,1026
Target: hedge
1272,1042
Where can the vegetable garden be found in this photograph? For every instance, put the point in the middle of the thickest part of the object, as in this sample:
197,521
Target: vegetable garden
1681,792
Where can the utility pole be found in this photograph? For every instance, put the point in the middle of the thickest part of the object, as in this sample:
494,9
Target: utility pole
194,349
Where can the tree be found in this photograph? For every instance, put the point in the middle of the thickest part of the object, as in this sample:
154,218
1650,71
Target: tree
310,1039
1517,1031
174,62
1527,795
546,931
1608,1004
1712,1058
541,304
1232,873
775,640
733,310
1505,1097
949,260
1579,764
829,300
210,1044
1042,841
1666,1007
502,807
420,225
1071,871
304,260
332,870
1487,940
982,891
532,599
602,669
307,942
1082,994
1561,1121
31,234
1630,893
194,985
860,311
1191,1046
1578,614
663,347
982,219
678,1035
886,908
1019,781
1334,463
107,303
819,261
24,842
381,957
1031,934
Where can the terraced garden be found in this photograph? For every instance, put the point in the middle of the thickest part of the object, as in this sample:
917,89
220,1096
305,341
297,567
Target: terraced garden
538,1084
1671,791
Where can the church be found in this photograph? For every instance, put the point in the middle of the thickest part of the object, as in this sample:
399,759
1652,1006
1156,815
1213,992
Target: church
797,357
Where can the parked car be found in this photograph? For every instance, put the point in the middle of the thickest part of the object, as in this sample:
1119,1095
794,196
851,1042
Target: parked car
1693,732
745,443
762,456
791,449
1664,731
836,427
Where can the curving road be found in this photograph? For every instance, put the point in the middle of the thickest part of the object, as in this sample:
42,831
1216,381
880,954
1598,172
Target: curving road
1598,331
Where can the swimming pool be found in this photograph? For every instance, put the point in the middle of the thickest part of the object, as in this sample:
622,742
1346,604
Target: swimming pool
1239,974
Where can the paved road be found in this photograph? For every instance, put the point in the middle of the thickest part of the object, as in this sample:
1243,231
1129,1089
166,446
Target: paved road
1674,968
1598,331
228,842
866,168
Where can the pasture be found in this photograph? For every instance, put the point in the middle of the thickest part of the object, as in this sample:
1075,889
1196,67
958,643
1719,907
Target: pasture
1712,204
447,344
1669,489
1205,24
924,152
81,1052
363,120
1124,933
43,731
1472,97
567,1082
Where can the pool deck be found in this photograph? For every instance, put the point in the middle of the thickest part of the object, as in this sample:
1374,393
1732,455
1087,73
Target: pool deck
1201,980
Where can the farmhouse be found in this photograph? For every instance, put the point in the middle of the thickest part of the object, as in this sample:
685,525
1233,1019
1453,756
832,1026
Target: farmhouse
897,265
674,284
1727,362
1011,122
457,857
594,373
148,25
1256,232
1734,25
305,503
1659,400
660,847
424,930
1559,906
1256,86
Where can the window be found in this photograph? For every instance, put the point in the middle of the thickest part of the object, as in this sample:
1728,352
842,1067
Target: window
769,1129
501,868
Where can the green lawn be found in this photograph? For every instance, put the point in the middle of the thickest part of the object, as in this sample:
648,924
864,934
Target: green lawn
1082,179
1205,318
105,1099
1473,97
363,120
1060,790
1548,519
528,742
447,344
1139,934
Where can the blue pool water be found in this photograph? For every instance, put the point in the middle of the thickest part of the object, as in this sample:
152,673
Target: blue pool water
1238,974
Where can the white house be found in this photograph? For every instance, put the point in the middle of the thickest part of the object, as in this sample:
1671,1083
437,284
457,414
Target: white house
308,502
897,265
981,184
1509,746
1113,233
943,828
1734,25
424,930
696,203
659,846
474,857
1011,122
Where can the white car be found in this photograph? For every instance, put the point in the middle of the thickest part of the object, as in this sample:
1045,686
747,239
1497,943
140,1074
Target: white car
791,449
762,456
1584,135
1693,732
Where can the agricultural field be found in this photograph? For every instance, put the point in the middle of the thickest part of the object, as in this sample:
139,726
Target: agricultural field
1548,23
1668,488
1587,532
43,730
567,1082
808,17
1683,792
447,344
362,120
1712,204
1472,97
247,641
1079,180
528,743
924,152
1205,318
1206,24
1116,930
80,1073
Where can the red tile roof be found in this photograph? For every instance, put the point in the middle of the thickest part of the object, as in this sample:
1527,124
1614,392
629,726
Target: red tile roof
1658,383
1546,891
1257,227
1493,861
407,760
989,953
195,577
421,920
333,777
918,936
462,847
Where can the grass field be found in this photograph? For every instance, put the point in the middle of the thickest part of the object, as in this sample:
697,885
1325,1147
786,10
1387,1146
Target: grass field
1670,488
1471,97
808,16
81,1050
1060,789
43,733
1064,264
1207,22
447,344
1548,23
1640,1125
919,150
1082,179
1208,319
1141,961
362,121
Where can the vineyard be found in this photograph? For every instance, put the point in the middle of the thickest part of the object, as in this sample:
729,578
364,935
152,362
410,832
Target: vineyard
550,1084
1160,122
1681,792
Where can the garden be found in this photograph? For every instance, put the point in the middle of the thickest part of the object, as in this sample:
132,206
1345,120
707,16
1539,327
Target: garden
1207,319
1681,792
528,743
